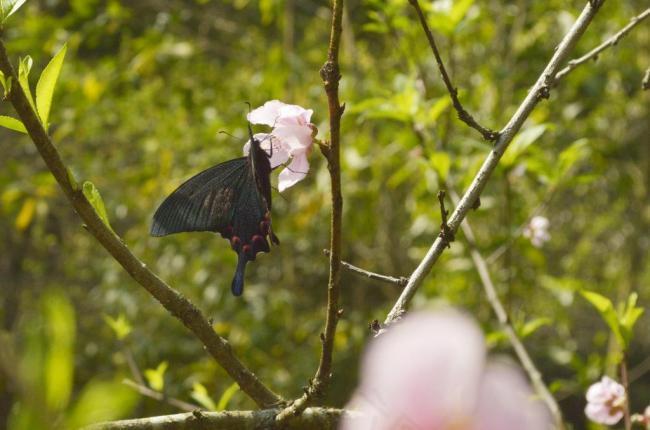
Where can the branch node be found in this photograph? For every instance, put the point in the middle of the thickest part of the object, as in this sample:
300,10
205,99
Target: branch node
446,233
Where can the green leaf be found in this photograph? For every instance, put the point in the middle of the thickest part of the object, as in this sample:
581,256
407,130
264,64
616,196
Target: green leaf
605,308
532,326
59,359
119,325
226,396
519,144
101,401
629,316
95,199
156,377
46,84
200,394
12,124
24,67
14,5
441,162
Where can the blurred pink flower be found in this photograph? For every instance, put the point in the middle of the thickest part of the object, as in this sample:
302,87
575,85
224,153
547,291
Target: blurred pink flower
537,231
291,138
429,372
642,419
605,401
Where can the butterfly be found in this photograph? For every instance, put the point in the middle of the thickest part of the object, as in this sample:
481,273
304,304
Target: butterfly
232,198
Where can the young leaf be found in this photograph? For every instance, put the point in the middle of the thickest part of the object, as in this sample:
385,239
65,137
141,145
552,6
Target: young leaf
14,5
200,394
629,316
12,124
226,396
46,84
24,67
95,199
156,377
605,308
519,144
120,325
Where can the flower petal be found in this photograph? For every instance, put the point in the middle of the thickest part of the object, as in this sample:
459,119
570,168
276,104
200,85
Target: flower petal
296,137
294,172
267,114
422,373
506,402
279,154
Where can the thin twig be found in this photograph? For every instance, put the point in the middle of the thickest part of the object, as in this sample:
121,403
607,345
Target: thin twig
148,392
612,41
401,281
463,115
172,300
311,418
539,91
504,320
626,385
331,75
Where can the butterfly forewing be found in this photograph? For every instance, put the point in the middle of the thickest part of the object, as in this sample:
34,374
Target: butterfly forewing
205,202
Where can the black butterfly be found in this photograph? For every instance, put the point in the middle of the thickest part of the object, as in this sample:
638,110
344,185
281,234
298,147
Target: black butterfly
232,198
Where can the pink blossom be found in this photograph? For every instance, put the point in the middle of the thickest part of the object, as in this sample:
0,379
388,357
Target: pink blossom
291,138
605,401
429,372
642,419
537,231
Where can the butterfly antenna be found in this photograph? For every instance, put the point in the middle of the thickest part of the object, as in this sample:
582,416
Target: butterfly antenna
230,135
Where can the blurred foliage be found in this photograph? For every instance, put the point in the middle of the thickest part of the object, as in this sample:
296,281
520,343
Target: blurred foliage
144,90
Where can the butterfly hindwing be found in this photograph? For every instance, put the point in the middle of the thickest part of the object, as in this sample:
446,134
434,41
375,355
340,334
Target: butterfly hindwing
205,202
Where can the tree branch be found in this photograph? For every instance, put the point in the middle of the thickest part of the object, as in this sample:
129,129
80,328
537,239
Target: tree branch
330,73
463,115
171,300
539,91
401,281
612,41
310,419
504,320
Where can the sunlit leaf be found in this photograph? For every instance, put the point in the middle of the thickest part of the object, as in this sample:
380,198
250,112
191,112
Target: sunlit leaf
519,144
532,326
441,162
200,394
156,377
12,124
120,325
605,308
59,361
46,84
226,396
101,401
95,199
24,67
9,7
26,214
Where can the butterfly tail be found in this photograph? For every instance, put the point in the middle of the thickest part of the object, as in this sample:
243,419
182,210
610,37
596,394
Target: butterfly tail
237,286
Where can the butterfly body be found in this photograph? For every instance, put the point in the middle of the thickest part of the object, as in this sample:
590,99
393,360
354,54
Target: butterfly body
232,198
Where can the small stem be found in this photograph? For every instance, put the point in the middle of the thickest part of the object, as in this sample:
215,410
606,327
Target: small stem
463,115
401,281
331,75
626,385
612,41
504,320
